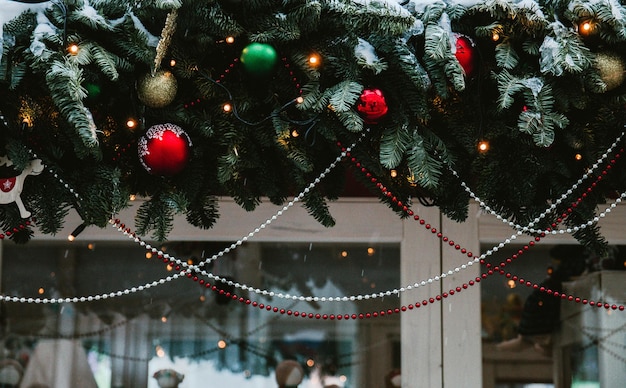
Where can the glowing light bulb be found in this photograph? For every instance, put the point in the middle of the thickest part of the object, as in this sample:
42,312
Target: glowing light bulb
586,28
578,157
227,107
172,62
483,146
393,173
295,133
495,37
230,39
315,60
370,251
221,344
300,100
73,49
131,123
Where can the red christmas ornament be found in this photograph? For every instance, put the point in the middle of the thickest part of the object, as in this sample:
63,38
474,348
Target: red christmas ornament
164,149
465,53
372,105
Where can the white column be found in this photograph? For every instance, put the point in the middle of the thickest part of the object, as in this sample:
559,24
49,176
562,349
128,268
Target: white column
441,342
420,255
462,345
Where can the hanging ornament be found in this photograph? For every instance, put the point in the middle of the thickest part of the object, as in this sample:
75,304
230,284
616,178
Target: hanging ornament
166,37
168,378
610,67
259,58
465,53
164,149
372,105
157,90
289,373
11,187
93,90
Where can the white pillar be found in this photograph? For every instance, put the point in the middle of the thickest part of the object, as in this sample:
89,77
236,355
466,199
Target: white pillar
441,342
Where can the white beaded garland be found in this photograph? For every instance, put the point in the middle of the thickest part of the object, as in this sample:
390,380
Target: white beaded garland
520,230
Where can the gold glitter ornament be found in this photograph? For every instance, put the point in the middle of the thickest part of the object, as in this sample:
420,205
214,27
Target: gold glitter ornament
157,90
611,69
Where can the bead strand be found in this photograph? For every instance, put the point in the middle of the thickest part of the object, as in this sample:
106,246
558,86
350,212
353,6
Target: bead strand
529,228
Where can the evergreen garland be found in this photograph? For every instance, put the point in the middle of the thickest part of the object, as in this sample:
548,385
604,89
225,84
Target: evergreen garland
543,89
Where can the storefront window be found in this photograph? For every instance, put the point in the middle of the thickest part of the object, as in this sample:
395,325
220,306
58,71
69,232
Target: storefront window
186,331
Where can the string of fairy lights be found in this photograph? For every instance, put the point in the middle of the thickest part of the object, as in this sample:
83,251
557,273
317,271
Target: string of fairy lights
190,268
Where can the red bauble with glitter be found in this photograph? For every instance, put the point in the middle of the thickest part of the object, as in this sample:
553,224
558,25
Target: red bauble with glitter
372,106
164,149
465,53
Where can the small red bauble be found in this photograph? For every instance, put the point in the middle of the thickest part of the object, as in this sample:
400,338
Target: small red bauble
372,105
465,53
164,149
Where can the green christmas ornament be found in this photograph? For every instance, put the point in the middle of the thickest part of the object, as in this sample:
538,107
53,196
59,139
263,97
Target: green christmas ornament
93,90
259,58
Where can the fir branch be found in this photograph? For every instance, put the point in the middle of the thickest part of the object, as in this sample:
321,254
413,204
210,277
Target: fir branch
437,44
506,57
563,52
508,86
64,81
93,53
344,95
156,216
433,12
313,98
351,120
425,167
203,212
318,208
394,143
